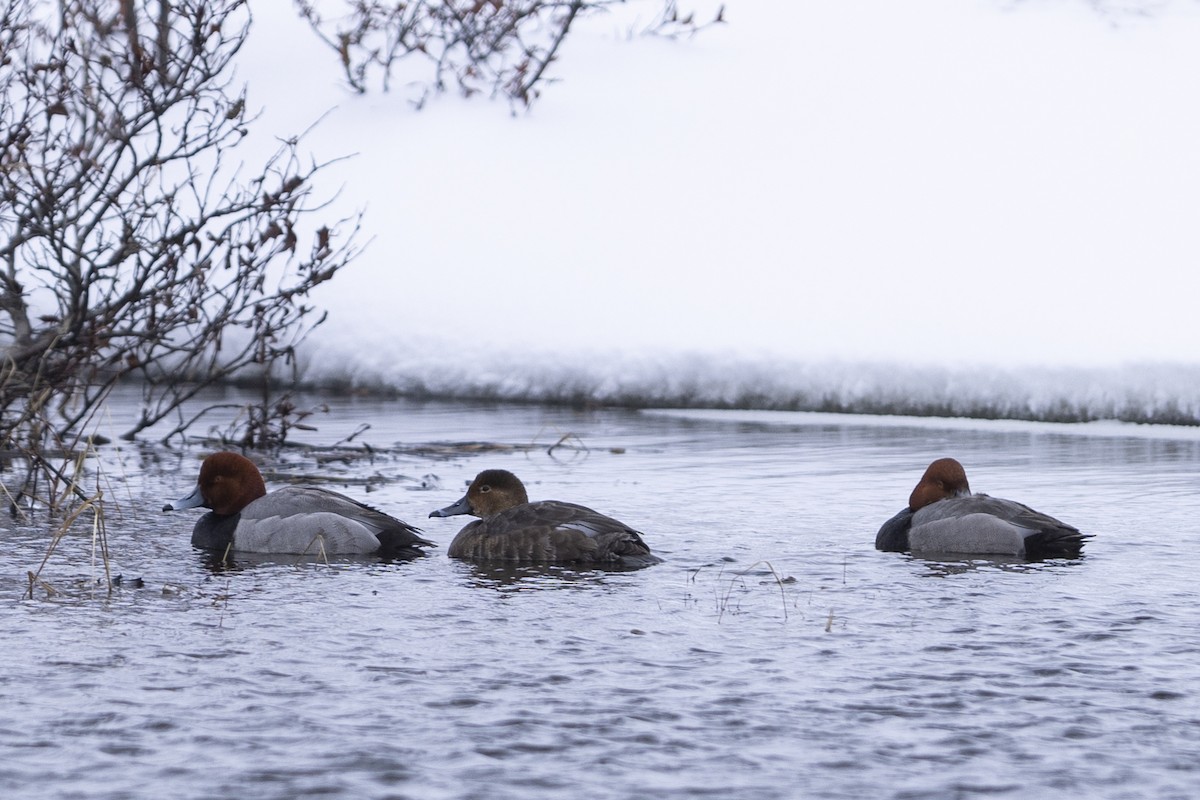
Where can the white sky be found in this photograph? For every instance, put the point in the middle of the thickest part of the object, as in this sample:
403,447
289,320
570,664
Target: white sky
933,181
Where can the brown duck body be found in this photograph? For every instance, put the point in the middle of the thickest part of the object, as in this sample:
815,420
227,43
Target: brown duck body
551,531
512,529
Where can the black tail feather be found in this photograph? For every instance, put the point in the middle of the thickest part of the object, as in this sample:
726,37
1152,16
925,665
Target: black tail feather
1065,542
401,542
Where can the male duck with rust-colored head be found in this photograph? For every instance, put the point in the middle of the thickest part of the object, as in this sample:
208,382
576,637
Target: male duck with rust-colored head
295,519
943,516
512,529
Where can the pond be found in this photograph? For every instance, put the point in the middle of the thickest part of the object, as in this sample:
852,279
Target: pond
775,653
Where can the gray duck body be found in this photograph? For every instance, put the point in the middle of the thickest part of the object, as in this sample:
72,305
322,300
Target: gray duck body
294,520
943,516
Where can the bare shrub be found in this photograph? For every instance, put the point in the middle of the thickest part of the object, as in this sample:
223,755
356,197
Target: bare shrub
132,243
496,47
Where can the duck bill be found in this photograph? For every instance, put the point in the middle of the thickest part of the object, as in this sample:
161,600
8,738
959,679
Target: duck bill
193,500
453,510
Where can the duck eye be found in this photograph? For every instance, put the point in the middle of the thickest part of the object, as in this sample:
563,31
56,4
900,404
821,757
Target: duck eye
484,489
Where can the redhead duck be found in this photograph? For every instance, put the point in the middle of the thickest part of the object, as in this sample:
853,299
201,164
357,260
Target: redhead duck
513,529
294,519
944,516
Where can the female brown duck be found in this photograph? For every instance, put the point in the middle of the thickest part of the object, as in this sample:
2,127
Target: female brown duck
513,529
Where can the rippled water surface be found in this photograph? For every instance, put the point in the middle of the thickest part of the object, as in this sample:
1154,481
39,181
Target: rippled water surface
775,654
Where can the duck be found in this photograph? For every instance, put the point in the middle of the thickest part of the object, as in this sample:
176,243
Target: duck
944,516
512,529
243,517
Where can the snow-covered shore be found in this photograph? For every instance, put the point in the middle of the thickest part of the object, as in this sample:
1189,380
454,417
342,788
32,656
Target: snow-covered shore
977,207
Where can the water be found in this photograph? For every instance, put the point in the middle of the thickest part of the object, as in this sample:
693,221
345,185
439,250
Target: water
775,654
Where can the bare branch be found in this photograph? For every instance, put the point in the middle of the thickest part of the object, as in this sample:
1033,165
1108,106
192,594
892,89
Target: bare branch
497,47
132,242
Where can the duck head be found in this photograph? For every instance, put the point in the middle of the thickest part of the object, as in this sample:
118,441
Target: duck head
492,491
228,483
944,478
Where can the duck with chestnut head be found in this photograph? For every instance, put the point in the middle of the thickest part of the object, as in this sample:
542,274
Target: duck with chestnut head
294,519
944,516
